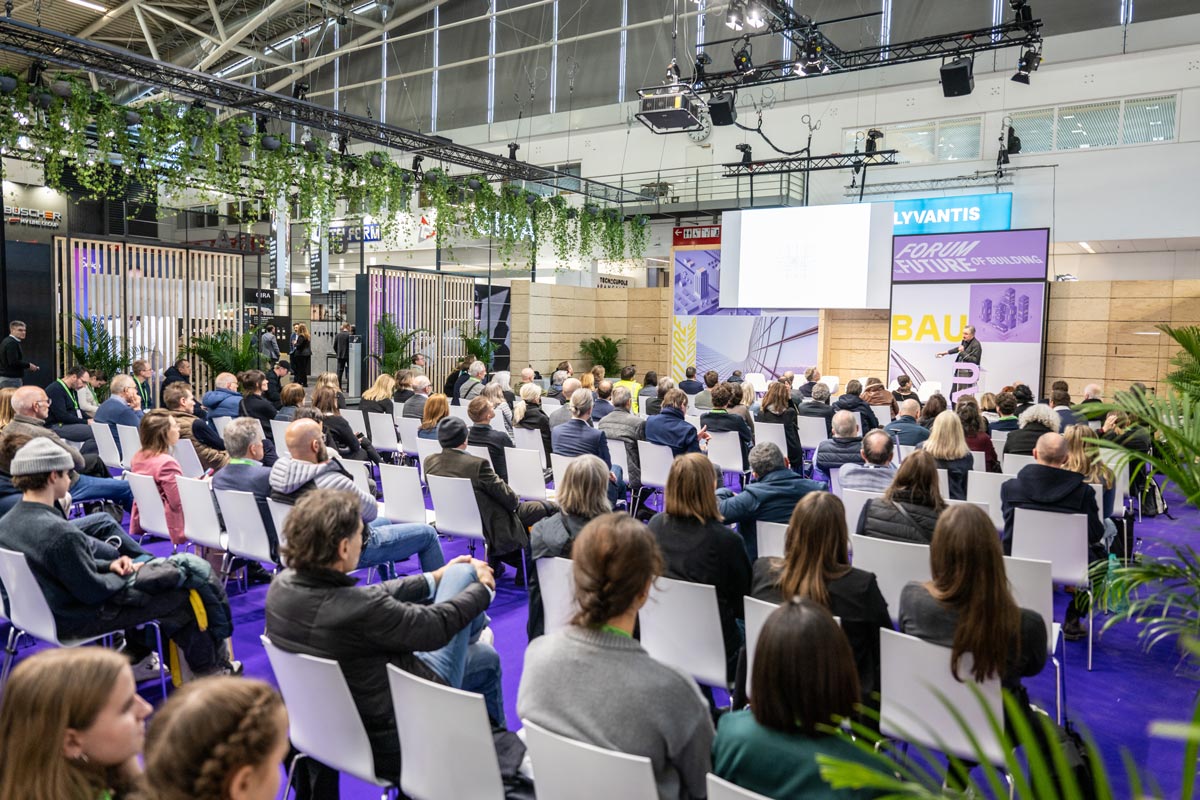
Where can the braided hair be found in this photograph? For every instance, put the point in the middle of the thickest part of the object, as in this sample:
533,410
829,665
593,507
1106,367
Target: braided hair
614,558
205,733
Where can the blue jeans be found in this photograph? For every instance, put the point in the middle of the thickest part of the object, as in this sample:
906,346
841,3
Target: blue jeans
88,488
107,539
390,541
466,663
617,490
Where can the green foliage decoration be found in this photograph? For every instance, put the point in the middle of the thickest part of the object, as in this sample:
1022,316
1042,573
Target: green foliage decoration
225,351
96,348
603,351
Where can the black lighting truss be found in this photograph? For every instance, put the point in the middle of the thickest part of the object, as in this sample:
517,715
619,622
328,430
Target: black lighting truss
802,31
779,166
74,53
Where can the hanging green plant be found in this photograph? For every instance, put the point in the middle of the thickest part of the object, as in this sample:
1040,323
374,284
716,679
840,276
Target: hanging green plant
612,234
562,228
590,226
639,231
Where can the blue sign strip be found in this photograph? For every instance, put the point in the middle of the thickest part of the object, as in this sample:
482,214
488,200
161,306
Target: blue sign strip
959,214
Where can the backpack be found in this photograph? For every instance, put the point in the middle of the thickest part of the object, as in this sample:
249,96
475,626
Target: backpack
1152,502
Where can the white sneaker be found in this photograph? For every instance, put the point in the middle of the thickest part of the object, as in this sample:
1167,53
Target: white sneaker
146,669
486,636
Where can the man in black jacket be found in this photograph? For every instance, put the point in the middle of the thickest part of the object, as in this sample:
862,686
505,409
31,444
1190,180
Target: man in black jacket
689,384
817,405
12,359
275,381
969,352
430,625
720,420
482,434
1034,421
341,349
844,447
850,401
66,418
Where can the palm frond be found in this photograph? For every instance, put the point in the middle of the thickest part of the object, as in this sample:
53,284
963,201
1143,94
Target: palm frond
225,351
603,351
96,348
1186,377
395,345
478,344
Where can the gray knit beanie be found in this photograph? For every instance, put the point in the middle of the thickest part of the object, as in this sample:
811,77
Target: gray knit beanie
39,456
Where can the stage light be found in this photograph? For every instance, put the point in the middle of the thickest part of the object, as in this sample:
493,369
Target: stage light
747,153
735,20
813,62
513,147
873,137
1017,5
673,74
1029,62
743,60
300,90
416,166
703,60
754,15
1023,15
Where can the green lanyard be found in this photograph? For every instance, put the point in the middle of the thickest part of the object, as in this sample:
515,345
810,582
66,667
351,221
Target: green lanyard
247,461
70,394
613,629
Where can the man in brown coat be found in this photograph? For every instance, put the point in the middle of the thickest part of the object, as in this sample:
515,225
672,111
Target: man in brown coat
178,399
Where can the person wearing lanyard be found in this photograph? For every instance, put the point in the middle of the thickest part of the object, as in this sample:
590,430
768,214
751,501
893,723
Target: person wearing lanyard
245,473
66,417
142,374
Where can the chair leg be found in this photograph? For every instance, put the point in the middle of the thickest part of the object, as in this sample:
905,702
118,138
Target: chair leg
291,774
10,653
1091,618
162,658
1058,686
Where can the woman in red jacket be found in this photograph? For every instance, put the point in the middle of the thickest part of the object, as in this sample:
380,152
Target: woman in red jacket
159,432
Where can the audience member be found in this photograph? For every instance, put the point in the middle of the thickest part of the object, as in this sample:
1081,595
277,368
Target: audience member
602,405
905,427
556,384
654,404
910,507
179,372
697,547
217,738
805,686
1024,397
341,436
66,418
876,471
292,398
735,377
143,374
816,566
598,374
329,380
456,378
975,430
307,466
245,472
86,597
482,434
1060,401
472,385
582,496
904,391
744,403
71,726
1092,394
852,401
844,447
1119,427
414,407
812,376
689,384
770,498
719,420
494,393
503,379
529,415
1083,456
402,386
222,401
935,405
1006,413
315,607
562,414
593,682
625,428
378,399
122,407
528,375
1034,421
159,431
1048,486
577,437
668,427
437,408
704,399
876,394
627,381
948,447
588,381
210,449
274,391
817,405
649,387
87,393
987,408
254,405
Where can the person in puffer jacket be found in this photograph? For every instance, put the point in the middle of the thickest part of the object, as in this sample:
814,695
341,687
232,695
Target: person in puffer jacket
224,400
851,401
909,509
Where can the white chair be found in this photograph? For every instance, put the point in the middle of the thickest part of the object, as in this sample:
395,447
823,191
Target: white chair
771,539
757,380
279,432
854,502
525,474
323,722
556,578
982,506
920,698
30,615
882,413
456,508
441,730
200,521
359,471
106,444
984,488
383,433
835,485
944,482
279,515
550,403
189,463
619,456
559,464
691,402
529,439
221,423
894,565
998,440
927,390
131,441
1033,588
497,424
408,428
720,789
461,413
479,451
1011,463
1061,539
979,462
151,513
757,612
244,524
812,432
832,382
772,432
725,450
681,626
905,451
403,500
425,449
655,460
565,769
357,422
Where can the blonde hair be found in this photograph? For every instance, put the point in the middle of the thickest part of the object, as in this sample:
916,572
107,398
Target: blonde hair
382,389
584,490
1083,456
6,409
46,694
494,392
329,379
690,488
529,392
946,441
587,381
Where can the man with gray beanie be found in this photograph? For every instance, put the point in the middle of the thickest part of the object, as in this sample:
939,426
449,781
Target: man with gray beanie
506,519
87,595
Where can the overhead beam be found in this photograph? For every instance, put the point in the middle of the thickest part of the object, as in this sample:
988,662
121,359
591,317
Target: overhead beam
247,28
782,166
174,20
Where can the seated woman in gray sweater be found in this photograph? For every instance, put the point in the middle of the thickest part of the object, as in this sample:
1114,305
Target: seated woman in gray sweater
593,682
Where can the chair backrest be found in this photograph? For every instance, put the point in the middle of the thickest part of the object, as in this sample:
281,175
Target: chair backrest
556,578
944,482
832,382
530,439
559,464
655,461
927,390
200,521
279,432
953,502
835,483
525,473
812,431
480,451
131,441
772,432
425,449
151,513
905,450
757,612
357,422
403,500
1099,490
220,423
189,463
894,565
570,770
998,440
858,423
721,789
771,538
725,450
441,730
550,403
619,455
1111,458
920,698
1032,585
682,627
978,462
882,413
383,432
855,501
1060,539
691,404
984,488
244,524
323,721
107,447
279,515
757,380
408,428
27,606
358,471
455,505
1011,463
497,423
461,413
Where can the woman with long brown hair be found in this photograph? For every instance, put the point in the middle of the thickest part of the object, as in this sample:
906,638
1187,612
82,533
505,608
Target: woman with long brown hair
338,432
159,432
71,727
816,566
909,509
697,547
301,353
935,405
777,408
437,408
975,431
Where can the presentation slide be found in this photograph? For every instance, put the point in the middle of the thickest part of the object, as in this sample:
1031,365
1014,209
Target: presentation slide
801,258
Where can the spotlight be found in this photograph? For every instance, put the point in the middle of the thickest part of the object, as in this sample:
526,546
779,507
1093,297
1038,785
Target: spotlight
1017,5
342,20
35,73
416,165
703,60
1029,62
8,84
1023,15
754,15
343,144
673,74
747,153
735,20
742,59
813,62
300,90
873,137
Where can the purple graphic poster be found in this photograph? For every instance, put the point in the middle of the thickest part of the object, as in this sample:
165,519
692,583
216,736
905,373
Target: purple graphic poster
1003,312
698,285
960,257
